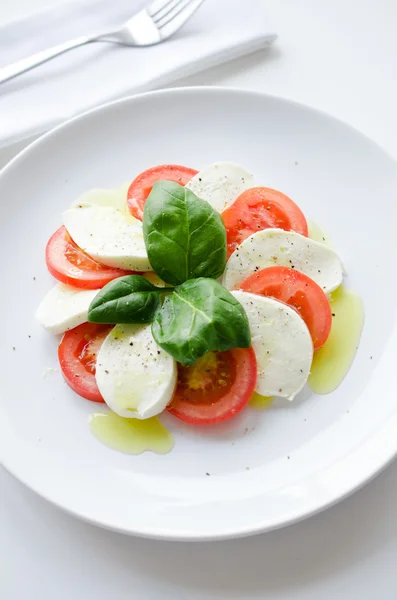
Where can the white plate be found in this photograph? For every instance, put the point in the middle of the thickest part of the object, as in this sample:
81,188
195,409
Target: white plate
266,469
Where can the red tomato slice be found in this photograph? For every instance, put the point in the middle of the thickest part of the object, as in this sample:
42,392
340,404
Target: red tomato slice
141,187
260,208
71,265
215,388
300,292
77,354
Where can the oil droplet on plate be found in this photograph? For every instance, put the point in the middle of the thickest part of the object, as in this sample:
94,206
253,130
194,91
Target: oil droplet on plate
332,362
131,436
259,402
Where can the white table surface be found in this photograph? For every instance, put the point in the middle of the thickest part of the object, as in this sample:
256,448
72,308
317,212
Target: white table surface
339,56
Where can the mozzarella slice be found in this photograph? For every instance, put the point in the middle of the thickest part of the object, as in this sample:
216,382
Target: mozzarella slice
64,307
272,247
135,376
282,345
113,238
115,197
220,184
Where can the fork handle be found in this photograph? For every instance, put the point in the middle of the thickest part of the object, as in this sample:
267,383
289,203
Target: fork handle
26,64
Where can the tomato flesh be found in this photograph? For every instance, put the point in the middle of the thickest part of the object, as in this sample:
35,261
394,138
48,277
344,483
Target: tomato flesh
71,265
215,388
142,185
260,208
77,355
298,291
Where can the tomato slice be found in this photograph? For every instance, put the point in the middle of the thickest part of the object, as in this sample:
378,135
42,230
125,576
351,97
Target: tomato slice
215,388
298,291
260,208
77,354
142,185
71,265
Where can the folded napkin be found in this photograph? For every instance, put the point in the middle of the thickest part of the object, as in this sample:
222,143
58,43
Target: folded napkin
89,76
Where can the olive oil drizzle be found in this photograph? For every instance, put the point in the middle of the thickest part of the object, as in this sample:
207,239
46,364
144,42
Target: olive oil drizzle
332,362
130,436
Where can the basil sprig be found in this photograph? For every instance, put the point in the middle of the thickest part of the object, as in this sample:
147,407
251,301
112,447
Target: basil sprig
185,240
200,316
184,236
128,299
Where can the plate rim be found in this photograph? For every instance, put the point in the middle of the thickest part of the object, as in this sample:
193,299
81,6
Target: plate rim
189,90
353,477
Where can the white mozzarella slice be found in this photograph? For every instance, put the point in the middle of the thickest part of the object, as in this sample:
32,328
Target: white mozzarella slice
276,247
134,375
115,197
282,344
220,184
64,308
113,238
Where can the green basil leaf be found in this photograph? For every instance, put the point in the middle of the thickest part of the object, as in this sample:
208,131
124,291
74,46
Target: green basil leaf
184,236
200,316
129,299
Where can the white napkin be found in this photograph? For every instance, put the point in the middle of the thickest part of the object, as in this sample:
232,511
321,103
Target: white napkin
88,76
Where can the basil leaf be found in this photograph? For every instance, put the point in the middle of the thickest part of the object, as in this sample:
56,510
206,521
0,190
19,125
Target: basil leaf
129,299
184,236
200,316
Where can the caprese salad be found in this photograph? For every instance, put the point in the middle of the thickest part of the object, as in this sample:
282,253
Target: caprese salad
191,293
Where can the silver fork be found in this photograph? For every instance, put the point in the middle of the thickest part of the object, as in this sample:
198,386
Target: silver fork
152,25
